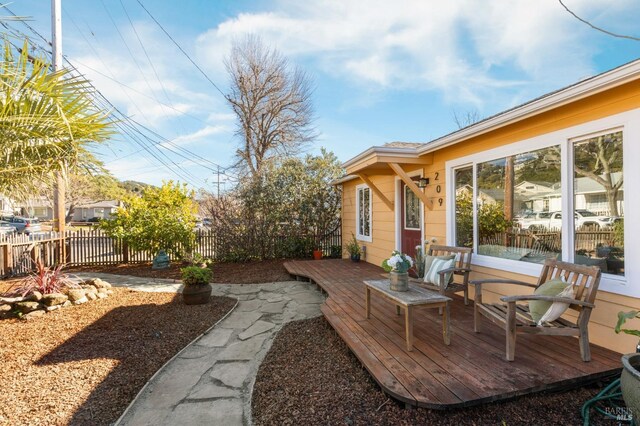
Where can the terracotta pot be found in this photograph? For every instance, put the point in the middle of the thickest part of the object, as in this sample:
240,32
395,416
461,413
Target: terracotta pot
317,254
630,383
399,281
197,294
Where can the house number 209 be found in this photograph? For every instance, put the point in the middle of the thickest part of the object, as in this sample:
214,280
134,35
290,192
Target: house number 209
438,189
440,201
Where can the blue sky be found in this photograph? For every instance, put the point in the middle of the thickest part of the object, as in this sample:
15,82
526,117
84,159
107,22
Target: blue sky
384,71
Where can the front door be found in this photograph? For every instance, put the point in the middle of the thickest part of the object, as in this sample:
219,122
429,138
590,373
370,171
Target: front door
410,223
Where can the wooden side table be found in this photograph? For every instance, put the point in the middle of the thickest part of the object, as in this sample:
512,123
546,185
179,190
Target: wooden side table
415,296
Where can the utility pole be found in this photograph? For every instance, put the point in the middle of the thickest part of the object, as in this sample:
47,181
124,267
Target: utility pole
59,212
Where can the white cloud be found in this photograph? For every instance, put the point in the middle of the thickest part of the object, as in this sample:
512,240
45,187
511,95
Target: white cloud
460,48
200,135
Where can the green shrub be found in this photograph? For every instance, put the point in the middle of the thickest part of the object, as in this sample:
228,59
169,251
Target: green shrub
194,275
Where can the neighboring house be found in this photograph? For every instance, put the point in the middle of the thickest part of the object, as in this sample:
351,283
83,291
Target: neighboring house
379,189
99,210
7,206
39,207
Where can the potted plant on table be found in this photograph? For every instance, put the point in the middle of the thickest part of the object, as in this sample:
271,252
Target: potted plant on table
197,289
354,249
398,267
630,377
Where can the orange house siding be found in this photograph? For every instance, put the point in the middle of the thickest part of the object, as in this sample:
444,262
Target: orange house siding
613,101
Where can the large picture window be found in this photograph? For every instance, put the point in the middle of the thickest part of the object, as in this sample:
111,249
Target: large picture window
363,213
518,205
512,207
598,193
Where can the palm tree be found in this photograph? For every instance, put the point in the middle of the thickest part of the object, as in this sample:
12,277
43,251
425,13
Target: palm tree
48,122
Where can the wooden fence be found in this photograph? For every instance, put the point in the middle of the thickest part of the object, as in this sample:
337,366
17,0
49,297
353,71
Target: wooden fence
550,241
93,247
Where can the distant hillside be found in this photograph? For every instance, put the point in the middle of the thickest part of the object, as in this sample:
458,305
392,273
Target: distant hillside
133,186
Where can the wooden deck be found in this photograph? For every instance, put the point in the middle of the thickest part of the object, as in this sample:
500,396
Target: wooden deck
472,370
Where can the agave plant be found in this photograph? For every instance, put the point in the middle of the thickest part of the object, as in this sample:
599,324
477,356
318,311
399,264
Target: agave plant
48,122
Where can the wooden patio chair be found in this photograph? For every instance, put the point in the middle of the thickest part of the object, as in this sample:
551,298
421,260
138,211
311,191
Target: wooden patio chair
515,318
460,271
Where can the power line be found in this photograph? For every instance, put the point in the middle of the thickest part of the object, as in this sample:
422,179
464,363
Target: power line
182,50
153,67
131,128
602,30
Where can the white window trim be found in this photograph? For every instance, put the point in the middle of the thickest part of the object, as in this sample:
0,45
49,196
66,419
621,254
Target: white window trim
359,236
629,123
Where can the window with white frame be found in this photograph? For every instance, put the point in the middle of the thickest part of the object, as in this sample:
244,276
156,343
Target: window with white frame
363,213
509,201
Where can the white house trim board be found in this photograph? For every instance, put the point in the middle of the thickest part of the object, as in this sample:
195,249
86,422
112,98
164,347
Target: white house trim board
629,123
360,237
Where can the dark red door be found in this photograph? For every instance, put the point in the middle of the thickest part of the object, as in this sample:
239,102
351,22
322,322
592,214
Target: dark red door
410,223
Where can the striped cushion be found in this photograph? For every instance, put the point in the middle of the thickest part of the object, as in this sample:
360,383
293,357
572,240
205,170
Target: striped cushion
437,265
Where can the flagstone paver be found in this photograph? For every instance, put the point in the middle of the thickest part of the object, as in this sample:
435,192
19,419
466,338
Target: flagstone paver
210,381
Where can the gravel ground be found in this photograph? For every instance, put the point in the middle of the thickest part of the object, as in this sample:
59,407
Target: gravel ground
84,364
310,377
266,271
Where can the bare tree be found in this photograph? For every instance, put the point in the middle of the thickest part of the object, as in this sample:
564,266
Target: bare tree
272,101
467,118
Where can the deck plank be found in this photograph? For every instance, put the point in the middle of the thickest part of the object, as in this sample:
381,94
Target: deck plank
472,370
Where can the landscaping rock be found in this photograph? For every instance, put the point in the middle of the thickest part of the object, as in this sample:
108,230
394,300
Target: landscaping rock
92,296
102,290
34,296
67,303
97,283
54,299
80,301
26,307
76,294
90,289
6,311
52,308
10,300
33,314
101,295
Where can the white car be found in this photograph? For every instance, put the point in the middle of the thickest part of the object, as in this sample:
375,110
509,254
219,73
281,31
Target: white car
553,220
7,229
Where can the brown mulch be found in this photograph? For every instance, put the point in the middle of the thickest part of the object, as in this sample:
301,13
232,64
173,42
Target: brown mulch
310,377
266,271
84,364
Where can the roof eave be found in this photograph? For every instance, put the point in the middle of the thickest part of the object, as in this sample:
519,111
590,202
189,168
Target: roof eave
616,77
375,150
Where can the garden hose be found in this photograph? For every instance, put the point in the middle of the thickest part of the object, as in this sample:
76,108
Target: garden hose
614,407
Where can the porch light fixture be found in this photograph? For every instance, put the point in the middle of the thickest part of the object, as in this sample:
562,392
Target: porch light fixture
423,182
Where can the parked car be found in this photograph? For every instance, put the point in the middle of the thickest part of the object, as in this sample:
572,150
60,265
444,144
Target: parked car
553,220
25,225
534,220
6,228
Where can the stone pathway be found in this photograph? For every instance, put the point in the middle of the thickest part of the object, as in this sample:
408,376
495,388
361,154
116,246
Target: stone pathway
210,381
